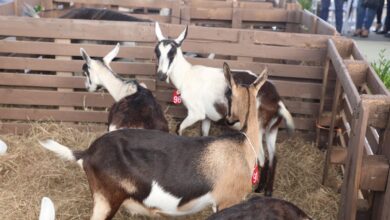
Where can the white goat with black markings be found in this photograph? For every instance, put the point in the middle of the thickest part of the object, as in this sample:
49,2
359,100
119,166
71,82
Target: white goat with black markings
156,173
206,95
135,105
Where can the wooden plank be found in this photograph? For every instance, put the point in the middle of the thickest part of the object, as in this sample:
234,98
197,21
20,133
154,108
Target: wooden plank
276,70
21,63
350,186
335,111
322,99
261,51
343,75
51,48
291,39
373,139
54,98
53,115
309,20
375,169
125,3
23,128
325,28
70,74
52,81
295,107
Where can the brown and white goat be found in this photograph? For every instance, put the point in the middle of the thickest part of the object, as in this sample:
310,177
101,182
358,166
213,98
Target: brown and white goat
157,173
262,208
135,105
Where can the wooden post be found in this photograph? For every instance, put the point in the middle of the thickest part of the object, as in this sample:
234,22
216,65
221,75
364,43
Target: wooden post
185,13
236,15
245,37
381,205
175,12
64,73
335,111
353,165
322,100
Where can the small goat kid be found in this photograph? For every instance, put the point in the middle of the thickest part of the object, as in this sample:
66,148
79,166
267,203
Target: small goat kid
135,105
205,93
157,173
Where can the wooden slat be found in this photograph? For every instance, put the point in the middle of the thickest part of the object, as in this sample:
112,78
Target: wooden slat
51,48
309,20
273,52
53,115
343,75
126,3
7,8
54,98
277,70
22,63
291,39
325,28
337,155
52,81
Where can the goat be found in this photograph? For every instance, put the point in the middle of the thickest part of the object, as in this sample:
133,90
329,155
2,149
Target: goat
135,105
205,94
157,173
261,208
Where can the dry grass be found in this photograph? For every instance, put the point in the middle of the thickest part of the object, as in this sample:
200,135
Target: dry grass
28,172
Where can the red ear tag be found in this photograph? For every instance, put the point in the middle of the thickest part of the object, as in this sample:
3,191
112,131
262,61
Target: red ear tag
176,99
255,177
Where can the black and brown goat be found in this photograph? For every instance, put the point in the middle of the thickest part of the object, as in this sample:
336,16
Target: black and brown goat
135,105
156,173
262,208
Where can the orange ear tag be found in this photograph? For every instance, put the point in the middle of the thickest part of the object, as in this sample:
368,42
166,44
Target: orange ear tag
176,99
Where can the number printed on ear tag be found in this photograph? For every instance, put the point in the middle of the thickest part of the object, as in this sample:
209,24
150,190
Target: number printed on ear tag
176,99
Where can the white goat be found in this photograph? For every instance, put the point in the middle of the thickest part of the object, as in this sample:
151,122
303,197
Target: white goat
205,94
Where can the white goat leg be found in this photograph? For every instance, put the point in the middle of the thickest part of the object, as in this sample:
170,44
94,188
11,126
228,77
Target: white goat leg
270,138
206,127
190,120
261,155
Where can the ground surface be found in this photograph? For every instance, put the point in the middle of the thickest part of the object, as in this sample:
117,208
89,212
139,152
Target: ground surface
28,172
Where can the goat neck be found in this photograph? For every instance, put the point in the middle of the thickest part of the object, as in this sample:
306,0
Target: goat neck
180,68
251,129
115,86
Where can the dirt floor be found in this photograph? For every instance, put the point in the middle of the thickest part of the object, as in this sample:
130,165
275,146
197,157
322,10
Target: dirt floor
28,172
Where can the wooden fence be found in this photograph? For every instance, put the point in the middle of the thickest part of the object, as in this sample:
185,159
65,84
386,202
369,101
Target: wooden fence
295,60
313,74
358,133
216,13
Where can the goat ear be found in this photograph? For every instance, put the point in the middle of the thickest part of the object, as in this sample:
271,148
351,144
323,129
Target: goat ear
228,75
179,40
259,82
111,55
159,34
85,56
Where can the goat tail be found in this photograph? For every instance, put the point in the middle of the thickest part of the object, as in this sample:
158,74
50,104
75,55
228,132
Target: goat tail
61,150
287,117
29,11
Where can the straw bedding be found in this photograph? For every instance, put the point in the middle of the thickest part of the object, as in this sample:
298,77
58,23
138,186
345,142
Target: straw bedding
28,172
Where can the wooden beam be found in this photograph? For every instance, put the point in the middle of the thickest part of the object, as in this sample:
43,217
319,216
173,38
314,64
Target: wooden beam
375,169
343,75
352,176
357,70
335,108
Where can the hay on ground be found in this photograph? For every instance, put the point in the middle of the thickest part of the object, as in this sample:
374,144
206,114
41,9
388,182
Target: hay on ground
28,172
